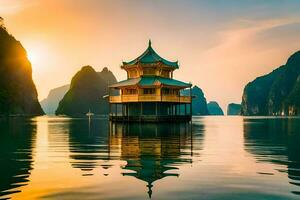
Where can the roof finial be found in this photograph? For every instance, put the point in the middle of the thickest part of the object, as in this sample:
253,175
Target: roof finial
149,42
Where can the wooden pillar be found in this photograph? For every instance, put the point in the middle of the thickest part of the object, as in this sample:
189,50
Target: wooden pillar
141,110
191,113
156,108
109,109
127,105
173,109
109,104
127,109
116,109
185,109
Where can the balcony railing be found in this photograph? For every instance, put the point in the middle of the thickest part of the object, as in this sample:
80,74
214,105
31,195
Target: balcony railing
149,98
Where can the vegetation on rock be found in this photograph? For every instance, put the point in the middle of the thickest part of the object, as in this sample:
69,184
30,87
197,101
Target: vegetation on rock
214,108
276,93
18,94
87,91
233,109
199,104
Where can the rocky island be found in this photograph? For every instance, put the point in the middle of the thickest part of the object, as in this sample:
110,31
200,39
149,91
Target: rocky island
277,93
214,108
233,109
86,92
199,103
18,94
50,103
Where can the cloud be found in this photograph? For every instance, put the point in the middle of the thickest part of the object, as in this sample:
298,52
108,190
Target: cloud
13,6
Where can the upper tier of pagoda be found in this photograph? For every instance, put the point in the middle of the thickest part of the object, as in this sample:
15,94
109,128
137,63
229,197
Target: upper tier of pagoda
150,57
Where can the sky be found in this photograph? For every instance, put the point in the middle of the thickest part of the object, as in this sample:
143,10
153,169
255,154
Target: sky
221,45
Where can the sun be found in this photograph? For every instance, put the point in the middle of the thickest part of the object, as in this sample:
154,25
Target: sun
37,54
33,56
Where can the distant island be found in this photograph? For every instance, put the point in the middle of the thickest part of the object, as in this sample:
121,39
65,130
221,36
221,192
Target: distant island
214,108
199,103
18,94
234,109
50,103
277,93
87,91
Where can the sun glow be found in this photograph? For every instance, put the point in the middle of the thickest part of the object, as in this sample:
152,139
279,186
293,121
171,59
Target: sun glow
34,56
37,54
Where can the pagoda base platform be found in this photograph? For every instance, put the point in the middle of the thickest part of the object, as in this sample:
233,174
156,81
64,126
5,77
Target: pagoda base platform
151,118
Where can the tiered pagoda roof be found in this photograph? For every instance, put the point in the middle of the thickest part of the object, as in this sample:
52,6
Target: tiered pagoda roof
150,56
149,81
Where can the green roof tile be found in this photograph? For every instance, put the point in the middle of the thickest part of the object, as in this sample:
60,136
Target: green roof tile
150,56
149,81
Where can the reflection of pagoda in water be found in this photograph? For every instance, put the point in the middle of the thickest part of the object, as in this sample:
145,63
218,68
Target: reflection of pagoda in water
151,150
275,141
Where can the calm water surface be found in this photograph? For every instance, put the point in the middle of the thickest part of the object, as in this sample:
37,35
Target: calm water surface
212,158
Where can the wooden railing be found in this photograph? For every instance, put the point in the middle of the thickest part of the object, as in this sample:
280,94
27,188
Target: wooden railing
185,99
129,98
149,98
115,99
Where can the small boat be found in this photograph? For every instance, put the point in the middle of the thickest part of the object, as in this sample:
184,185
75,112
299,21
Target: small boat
89,114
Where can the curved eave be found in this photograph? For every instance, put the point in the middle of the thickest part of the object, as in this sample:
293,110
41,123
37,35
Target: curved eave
131,64
180,87
150,56
126,83
151,82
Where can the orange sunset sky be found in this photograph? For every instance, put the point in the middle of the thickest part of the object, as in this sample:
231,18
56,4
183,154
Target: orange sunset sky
220,45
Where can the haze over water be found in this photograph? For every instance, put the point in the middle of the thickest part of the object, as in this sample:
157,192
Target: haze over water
212,158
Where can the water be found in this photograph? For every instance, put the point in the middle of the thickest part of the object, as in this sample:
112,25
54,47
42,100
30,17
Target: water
212,158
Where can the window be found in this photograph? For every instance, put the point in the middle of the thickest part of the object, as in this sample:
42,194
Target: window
130,91
149,71
149,91
132,73
168,91
165,73
176,91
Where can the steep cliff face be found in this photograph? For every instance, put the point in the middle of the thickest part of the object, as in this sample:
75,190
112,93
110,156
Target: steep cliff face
276,93
214,108
108,77
233,109
291,104
86,93
199,104
50,103
18,94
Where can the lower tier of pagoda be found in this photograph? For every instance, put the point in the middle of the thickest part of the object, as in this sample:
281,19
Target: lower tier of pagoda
149,98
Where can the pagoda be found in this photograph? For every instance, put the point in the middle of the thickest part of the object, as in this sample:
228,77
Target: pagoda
149,93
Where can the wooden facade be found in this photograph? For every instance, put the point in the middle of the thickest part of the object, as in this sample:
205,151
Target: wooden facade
149,93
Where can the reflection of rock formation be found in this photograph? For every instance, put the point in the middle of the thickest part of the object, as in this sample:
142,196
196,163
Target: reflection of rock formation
151,150
88,144
16,143
275,141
